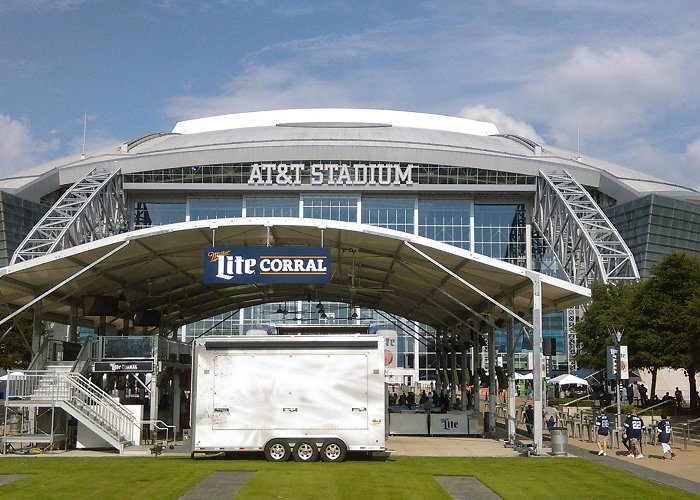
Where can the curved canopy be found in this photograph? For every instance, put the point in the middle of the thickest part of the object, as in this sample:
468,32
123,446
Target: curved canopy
162,267
568,379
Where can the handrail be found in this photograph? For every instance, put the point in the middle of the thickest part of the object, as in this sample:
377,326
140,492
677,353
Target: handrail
78,393
661,403
686,431
157,425
587,396
82,364
41,357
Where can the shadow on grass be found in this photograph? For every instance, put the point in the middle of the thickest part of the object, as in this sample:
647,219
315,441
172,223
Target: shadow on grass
352,456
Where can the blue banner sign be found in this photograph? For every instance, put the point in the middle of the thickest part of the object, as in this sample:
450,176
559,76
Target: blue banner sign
234,265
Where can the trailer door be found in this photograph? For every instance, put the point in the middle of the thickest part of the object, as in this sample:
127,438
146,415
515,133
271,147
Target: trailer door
291,391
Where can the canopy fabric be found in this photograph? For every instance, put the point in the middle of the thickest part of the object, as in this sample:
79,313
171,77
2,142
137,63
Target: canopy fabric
162,268
568,379
523,376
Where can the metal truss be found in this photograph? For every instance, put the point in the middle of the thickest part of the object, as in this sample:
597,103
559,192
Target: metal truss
91,209
586,245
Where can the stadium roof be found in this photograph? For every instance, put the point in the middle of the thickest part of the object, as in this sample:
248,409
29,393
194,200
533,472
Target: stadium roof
343,135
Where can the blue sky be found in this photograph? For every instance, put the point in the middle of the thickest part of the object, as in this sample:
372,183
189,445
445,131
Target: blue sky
623,74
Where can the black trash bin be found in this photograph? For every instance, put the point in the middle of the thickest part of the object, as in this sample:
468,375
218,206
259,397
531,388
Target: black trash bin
560,440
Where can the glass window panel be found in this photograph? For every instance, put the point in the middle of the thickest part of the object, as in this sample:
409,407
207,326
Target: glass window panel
445,220
499,232
335,208
272,207
392,213
148,213
207,208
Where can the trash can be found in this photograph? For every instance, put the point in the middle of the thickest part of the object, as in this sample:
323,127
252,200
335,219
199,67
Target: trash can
560,440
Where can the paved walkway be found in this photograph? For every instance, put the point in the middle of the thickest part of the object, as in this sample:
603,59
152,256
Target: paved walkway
681,472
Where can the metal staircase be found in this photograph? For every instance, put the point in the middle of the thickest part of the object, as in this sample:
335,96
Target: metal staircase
586,245
76,395
91,209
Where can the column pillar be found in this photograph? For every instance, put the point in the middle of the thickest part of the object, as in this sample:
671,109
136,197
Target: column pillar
36,328
176,401
537,362
493,386
73,327
510,360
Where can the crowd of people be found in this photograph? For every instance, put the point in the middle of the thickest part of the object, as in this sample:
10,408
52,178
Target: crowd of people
432,401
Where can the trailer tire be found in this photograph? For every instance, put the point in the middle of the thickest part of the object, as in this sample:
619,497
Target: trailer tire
305,451
333,450
277,450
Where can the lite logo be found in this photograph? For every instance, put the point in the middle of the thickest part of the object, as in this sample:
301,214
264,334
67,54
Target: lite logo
267,264
229,266
448,424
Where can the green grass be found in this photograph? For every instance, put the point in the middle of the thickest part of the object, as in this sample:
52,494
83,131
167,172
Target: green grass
396,478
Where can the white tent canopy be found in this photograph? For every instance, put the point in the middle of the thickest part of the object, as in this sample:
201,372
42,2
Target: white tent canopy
568,379
13,375
521,376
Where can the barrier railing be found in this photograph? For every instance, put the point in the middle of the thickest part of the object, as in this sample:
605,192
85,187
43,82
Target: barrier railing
80,394
690,427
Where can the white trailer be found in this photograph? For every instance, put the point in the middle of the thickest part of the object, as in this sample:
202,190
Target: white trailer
302,396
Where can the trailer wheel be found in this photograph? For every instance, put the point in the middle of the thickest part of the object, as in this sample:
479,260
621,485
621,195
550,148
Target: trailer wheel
333,450
305,451
277,450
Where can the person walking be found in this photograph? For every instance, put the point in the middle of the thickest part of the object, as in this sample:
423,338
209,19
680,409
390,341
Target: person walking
602,427
529,419
633,428
663,434
551,417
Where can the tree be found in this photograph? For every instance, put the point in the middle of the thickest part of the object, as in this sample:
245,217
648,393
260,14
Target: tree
673,298
610,310
15,347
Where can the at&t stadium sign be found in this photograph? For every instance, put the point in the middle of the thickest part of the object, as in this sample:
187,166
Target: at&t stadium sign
341,174
232,265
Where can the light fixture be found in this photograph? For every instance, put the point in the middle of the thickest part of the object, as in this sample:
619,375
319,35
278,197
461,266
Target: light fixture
353,315
280,310
319,306
323,315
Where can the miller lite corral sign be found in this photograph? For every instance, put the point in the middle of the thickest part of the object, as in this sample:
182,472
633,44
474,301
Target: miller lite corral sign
232,265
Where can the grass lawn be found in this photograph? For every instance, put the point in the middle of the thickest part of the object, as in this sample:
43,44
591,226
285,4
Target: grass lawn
399,477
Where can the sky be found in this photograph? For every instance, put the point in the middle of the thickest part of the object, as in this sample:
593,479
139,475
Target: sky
616,80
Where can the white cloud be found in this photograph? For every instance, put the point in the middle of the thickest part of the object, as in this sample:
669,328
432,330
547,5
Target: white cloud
262,88
18,148
610,93
504,123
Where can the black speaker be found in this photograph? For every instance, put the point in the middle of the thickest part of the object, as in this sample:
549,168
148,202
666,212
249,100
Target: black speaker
147,317
549,346
100,305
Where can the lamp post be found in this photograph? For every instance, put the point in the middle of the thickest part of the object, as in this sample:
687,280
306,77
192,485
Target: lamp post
616,336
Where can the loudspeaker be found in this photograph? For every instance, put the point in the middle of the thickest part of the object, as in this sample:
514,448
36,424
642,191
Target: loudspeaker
100,305
147,317
549,346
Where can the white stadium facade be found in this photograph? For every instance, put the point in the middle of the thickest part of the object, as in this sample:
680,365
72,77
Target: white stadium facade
457,241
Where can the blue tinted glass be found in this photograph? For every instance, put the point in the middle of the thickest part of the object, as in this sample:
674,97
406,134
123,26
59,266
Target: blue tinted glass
147,213
499,232
340,209
445,220
272,207
201,208
390,213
